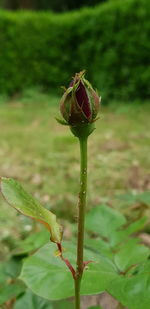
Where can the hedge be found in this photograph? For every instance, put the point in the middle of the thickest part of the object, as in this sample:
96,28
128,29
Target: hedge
110,41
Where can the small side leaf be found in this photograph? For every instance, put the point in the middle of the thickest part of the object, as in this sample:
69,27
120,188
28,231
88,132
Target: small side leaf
17,197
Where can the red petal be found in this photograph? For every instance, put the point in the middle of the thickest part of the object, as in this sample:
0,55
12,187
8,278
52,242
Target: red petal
83,100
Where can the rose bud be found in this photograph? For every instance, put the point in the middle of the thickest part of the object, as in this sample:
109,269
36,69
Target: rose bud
79,106
80,103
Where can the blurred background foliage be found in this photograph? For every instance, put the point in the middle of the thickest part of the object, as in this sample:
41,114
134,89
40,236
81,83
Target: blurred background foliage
110,40
55,5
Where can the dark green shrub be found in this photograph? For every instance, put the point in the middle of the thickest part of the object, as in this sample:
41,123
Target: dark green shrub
110,41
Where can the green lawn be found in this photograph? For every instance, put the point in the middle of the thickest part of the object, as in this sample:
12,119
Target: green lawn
44,157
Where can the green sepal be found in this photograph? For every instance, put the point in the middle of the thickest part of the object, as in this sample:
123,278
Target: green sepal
82,130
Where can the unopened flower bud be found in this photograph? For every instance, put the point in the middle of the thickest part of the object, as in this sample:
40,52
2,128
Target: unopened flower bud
80,105
80,102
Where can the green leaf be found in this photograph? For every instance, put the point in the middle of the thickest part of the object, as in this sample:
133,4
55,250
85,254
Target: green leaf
3,274
144,268
120,244
17,197
128,198
144,198
111,226
131,198
130,254
99,246
105,221
10,269
33,301
31,243
125,231
133,292
13,267
48,276
10,291
135,226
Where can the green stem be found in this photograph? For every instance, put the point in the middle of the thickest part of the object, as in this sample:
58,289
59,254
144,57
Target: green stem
77,292
81,219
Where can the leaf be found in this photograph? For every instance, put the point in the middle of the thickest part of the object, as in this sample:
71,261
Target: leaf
131,198
3,275
144,268
105,221
121,243
131,253
10,291
10,269
128,198
144,198
13,267
31,243
135,226
111,225
17,197
133,292
48,276
33,301
125,231
99,246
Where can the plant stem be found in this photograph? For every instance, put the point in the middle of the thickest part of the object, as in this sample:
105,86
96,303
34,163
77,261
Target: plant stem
77,292
81,219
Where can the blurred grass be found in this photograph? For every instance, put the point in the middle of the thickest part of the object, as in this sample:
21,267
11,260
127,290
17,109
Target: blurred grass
44,156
